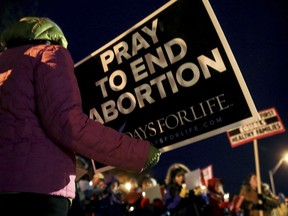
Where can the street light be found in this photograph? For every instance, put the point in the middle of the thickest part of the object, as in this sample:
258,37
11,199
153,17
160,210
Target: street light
274,170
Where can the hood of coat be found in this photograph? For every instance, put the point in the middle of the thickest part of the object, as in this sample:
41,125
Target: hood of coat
29,29
212,184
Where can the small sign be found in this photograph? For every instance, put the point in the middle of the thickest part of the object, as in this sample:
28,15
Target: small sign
153,193
193,179
268,124
207,173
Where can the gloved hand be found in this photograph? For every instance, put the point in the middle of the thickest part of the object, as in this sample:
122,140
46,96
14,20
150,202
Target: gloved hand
183,192
198,191
262,197
153,157
258,206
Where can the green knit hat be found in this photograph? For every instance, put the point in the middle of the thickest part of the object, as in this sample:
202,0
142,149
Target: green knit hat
29,29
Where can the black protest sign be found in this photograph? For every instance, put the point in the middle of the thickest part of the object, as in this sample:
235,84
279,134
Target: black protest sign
170,79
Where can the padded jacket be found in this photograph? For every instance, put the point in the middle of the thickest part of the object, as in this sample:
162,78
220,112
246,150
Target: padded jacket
42,125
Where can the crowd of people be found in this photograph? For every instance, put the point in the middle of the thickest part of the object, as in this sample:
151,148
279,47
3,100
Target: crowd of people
106,195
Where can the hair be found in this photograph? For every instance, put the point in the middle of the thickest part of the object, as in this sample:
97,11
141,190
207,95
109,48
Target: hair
99,175
173,170
148,178
247,179
212,183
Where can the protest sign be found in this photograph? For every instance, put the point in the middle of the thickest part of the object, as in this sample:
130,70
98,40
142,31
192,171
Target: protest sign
152,193
171,79
207,173
269,124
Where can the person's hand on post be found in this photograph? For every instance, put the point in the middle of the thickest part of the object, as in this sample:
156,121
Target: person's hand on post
262,197
257,206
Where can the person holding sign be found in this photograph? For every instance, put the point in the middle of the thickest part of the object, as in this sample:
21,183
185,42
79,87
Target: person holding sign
178,199
42,124
253,202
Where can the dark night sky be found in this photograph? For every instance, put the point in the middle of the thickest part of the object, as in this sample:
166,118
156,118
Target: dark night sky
257,31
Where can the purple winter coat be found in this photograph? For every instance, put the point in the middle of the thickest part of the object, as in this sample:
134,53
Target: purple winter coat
42,125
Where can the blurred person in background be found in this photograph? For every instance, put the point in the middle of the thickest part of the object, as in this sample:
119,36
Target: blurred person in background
148,181
254,202
136,204
139,204
218,204
111,201
178,200
93,193
282,209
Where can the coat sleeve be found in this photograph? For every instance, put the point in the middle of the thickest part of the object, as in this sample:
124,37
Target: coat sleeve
60,109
